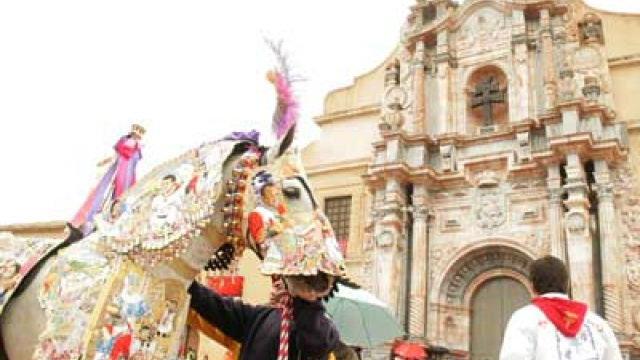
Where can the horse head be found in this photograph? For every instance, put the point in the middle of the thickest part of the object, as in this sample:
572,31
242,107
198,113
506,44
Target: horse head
270,208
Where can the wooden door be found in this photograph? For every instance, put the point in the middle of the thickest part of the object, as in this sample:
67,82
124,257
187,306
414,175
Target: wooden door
491,307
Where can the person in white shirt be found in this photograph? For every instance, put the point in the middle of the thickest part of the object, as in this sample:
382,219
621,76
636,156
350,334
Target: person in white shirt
554,327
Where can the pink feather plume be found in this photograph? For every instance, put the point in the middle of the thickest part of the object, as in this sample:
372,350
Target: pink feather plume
286,113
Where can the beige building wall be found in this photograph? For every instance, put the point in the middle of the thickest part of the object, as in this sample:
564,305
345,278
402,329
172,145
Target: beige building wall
624,63
337,161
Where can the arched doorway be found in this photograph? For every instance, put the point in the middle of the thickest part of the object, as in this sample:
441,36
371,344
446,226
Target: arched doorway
491,307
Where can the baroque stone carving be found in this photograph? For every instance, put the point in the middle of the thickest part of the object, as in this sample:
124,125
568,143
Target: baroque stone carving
586,57
439,257
395,100
591,89
576,223
492,257
408,28
448,158
487,179
626,190
633,275
490,209
524,146
591,29
483,32
384,239
567,84
392,73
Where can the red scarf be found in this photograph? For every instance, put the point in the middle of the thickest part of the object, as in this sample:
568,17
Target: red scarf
566,315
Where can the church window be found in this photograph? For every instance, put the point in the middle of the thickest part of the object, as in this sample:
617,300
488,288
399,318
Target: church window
338,210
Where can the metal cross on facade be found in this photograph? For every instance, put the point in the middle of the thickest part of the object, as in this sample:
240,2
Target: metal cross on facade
486,94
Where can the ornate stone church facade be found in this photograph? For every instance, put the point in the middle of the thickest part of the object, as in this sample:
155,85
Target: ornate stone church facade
496,132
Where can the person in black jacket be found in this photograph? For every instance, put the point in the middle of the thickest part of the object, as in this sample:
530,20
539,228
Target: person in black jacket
257,328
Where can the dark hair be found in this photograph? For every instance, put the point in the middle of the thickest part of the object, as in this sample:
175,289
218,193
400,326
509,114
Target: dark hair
115,205
170,177
264,187
549,274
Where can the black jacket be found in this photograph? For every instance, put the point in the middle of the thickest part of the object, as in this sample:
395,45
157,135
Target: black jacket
312,334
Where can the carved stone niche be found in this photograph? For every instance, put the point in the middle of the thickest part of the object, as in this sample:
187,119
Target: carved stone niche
591,29
488,103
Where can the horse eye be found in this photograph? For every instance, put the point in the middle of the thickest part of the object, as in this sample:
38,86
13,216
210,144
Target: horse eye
291,192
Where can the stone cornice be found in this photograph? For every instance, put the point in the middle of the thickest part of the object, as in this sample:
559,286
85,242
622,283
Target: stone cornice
631,59
373,109
407,139
338,166
560,146
633,125
583,143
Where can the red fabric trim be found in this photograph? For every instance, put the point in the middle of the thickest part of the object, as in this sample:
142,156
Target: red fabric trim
255,226
567,315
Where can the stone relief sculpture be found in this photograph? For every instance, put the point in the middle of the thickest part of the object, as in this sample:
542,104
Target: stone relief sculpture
396,99
490,212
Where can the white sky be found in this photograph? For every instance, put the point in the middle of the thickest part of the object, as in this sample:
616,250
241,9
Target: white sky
74,74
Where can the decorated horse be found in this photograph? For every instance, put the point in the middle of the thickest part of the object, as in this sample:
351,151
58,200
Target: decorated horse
120,292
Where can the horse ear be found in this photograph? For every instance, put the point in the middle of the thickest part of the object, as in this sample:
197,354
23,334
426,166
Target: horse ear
281,146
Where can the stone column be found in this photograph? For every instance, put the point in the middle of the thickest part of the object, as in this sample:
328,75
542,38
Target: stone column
556,213
547,60
612,280
389,245
419,264
444,87
419,125
579,238
519,108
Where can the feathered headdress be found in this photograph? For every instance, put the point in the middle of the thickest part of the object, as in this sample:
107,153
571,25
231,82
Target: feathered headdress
286,113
